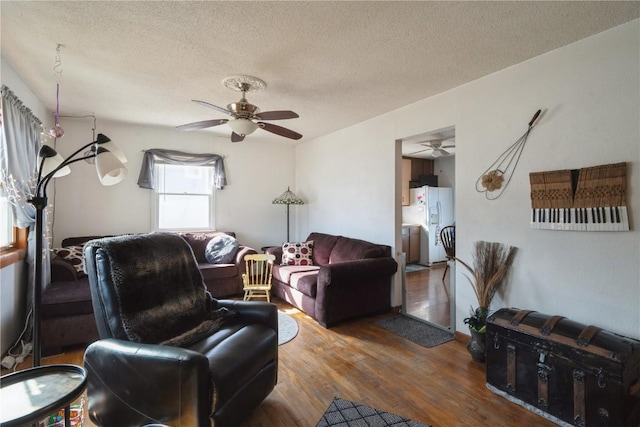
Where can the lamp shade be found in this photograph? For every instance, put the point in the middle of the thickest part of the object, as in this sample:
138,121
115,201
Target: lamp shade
243,126
113,149
288,198
110,170
51,163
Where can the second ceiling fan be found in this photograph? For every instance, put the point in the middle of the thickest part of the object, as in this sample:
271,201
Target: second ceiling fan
436,146
245,117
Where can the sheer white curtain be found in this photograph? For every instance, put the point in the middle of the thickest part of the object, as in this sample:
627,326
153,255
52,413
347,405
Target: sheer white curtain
19,147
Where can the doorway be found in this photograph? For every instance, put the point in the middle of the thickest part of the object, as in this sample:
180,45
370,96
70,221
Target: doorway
428,205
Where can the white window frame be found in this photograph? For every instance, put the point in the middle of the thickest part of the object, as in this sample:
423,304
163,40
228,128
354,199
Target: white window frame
155,205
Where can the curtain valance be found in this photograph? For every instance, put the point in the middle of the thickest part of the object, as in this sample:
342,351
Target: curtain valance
147,179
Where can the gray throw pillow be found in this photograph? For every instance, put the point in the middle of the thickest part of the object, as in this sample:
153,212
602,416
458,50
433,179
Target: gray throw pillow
221,249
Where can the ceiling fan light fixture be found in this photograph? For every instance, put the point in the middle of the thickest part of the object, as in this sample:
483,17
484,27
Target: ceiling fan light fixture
243,126
436,153
246,117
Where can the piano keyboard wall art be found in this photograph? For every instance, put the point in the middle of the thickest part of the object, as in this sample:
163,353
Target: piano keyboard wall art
587,199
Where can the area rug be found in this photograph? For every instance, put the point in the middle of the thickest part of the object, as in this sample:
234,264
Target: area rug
344,413
414,267
287,328
413,330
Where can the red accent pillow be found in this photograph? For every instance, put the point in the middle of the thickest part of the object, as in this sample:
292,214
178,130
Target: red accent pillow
297,253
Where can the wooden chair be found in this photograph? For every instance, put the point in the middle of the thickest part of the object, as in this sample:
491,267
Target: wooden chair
257,279
448,239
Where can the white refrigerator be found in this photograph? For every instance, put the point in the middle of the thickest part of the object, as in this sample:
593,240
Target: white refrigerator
432,208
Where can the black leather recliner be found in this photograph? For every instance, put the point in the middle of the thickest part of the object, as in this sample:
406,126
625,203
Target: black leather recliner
169,353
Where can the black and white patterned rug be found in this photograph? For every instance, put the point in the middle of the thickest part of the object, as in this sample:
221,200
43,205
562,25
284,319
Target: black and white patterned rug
416,331
344,413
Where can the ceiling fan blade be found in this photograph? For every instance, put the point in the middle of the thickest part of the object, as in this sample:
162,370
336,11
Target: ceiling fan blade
236,137
416,152
448,146
201,125
279,130
276,115
444,152
214,107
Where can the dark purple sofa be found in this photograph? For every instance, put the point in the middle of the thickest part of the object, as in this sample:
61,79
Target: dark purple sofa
349,278
67,312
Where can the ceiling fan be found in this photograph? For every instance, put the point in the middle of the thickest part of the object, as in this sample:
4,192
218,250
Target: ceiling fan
245,117
436,146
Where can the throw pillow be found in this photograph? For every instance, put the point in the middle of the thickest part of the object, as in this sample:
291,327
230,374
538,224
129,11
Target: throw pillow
297,253
71,254
221,249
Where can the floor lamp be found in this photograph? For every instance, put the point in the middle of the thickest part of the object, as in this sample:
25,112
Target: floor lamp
288,198
109,165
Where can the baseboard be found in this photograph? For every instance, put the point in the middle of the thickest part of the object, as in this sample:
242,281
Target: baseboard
463,338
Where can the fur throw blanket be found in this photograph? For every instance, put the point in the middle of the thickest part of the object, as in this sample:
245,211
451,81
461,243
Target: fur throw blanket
160,293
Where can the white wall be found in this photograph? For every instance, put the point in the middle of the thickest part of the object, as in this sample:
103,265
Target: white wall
590,96
13,277
12,304
9,78
257,172
347,178
445,168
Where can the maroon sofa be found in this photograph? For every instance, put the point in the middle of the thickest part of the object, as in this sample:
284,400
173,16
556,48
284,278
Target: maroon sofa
349,278
67,312
222,280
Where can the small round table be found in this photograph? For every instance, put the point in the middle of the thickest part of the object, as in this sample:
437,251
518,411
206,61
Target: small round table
31,395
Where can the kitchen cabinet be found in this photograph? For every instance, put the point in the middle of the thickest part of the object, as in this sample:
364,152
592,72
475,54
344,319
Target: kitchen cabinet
421,167
412,170
406,177
411,243
405,243
414,244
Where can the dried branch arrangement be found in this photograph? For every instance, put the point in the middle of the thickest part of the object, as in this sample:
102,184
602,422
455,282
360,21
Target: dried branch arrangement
491,262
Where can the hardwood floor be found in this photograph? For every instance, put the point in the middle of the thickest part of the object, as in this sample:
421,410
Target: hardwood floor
362,362
427,295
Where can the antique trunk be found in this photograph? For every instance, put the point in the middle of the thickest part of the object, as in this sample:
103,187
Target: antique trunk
572,374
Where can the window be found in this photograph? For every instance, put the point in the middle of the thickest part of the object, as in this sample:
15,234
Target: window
184,197
13,240
6,219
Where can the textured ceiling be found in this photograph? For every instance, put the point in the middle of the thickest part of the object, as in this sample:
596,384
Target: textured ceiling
334,63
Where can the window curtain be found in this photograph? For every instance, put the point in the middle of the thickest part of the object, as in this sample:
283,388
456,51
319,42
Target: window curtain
147,178
19,147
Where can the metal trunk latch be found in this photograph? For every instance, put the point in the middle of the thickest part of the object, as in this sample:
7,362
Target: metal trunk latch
543,381
496,342
601,381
